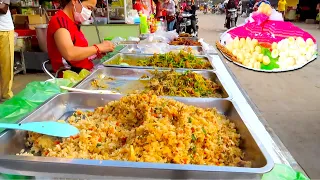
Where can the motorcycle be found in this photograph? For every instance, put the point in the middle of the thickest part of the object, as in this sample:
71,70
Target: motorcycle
231,18
185,24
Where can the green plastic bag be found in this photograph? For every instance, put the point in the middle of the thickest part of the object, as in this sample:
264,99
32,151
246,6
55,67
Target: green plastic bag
11,177
61,82
283,172
26,101
11,113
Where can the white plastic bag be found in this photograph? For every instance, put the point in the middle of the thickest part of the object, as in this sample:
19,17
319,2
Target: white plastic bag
160,37
133,39
207,48
275,16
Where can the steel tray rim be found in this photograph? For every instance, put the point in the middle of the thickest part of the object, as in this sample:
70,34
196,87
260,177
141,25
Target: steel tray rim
139,165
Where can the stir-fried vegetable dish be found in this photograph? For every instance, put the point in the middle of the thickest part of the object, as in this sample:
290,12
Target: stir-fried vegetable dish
181,59
187,84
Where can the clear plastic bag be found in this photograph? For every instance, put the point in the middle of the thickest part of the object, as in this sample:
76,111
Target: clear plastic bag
152,48
133,39
161,37
117,40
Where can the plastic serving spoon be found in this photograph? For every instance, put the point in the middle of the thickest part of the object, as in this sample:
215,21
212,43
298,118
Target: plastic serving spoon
50,128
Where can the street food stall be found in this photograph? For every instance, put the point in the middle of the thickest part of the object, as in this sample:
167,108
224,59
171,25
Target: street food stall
113,19
176,112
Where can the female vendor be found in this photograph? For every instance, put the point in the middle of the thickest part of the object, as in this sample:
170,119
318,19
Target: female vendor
67,46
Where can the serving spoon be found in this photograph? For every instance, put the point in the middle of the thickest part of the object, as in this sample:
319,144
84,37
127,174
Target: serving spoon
50,128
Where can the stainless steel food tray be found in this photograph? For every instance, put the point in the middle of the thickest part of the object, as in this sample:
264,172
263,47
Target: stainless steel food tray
63,105
114,61
123,77
134,49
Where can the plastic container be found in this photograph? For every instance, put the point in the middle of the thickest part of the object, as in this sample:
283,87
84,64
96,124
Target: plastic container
28,32
136,20
144,24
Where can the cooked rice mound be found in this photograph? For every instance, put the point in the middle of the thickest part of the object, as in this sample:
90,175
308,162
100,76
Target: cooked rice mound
146,128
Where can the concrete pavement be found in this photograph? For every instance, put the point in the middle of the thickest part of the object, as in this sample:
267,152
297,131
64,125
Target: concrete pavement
290,102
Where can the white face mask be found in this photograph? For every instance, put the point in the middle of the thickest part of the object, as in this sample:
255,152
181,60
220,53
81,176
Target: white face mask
83,16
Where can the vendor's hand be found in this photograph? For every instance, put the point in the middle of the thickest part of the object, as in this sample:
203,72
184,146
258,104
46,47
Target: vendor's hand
106,46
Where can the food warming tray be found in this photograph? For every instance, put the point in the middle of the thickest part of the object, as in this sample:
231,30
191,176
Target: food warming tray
128,79
63,105
134,58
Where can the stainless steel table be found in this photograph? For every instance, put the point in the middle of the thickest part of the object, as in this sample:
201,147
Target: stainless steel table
275,147
252,118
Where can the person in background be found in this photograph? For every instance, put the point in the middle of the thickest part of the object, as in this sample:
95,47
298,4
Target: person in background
298,11
67,45
205,7
6,51
318,14
183,5
239,10
282,7
251,5
169,8
230,4
221,8
191,9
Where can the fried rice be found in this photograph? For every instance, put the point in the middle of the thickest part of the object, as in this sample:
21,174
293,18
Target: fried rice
146,128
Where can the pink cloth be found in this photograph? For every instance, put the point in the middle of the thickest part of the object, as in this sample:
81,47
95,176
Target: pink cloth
269,31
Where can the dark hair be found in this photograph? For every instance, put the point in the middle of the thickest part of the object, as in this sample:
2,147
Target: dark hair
63,3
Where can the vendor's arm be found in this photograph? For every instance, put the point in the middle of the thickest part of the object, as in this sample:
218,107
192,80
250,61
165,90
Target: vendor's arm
73,53
4,6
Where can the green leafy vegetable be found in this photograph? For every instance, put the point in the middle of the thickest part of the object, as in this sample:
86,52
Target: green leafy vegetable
204,131
193,137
